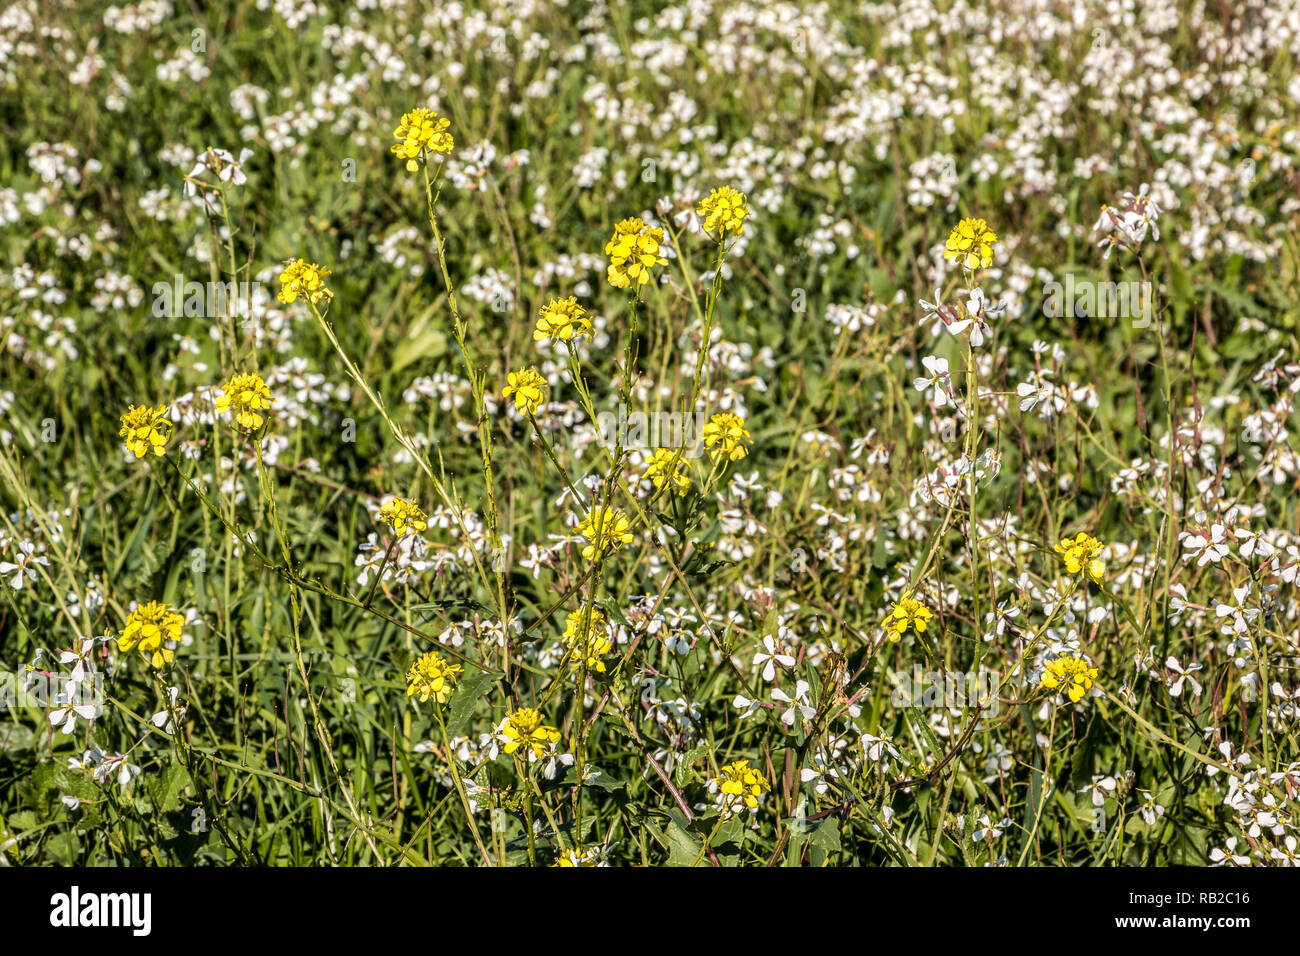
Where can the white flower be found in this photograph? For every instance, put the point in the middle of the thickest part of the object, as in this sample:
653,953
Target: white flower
798,703
25,564
1184,674
769,655
937,380
1149,809
73,705
1210,545
1100,788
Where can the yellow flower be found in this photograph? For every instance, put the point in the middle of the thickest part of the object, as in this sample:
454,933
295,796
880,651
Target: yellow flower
145,429
1080,555
151,627
725,434
245,395
562,319
529,389
724,210
302,278
633,252
739,787
421,132
971,243
431,676
588,649
607,529
578,857
403,516
524,728
656,470
908,612
1071,673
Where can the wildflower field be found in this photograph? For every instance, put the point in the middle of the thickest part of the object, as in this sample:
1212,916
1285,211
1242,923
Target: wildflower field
716,433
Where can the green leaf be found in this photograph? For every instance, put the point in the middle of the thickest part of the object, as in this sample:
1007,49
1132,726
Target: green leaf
165,788
683,849
471,688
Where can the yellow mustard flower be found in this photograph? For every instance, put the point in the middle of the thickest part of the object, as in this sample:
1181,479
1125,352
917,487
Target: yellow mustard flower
422,131
403,516
607,529
431,677
151,628
245,395
738,788
562,319
971,244
524,728
529,389
908,612
588,649
145,429
633,252
657,471
1072,674
724,210
578,857
302,278
1080,554
725,433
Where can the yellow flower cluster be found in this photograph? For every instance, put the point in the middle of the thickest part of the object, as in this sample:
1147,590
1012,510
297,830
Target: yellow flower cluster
302,278
596,644
562,319
633,252
529,389
246,395
1080,554
657,470
422,131
971,244
607,529
739,787
151,627
524,728
577,857
725,433
403,516
724,210
145,429
432,677
1072,674
908,612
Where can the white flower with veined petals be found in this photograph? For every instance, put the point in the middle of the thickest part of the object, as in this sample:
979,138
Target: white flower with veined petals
878,749
1149,809
81,656
798,703
745,705
73,705
1208,546
1230,855
1252,543
989,830
1100,788
1240,614
24,564
938,380
770,655
1184,674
